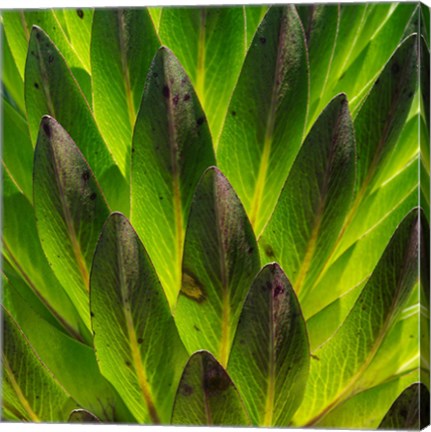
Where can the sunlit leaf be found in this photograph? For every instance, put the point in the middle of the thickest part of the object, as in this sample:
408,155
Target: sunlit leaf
271,346
137,345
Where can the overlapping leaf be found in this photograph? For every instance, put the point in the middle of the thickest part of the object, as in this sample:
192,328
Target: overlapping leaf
271,346
70,210
29,392
123,44
137,345
206,395
171,149
321,180
219,264
367,324
210,43
47,80
272,96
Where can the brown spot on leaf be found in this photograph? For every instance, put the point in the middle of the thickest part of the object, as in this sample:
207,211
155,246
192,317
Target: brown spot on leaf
314,357
166,91
215,380
262,40
93,196
80,13
278,290
186,97
85,176
233,113
200,121
269,252
47,129
192,288
140,340
36,85
175,99
186,390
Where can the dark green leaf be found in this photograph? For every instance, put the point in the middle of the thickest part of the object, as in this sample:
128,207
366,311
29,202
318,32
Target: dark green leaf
172,148
410,411
138,347
70,210
47,82
367,325
123,44
219,264
82,416
266,118
381,118
210,44
315,199
207,396
270,355
30,392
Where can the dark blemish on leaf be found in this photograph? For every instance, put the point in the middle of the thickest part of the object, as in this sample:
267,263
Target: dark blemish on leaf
133,149
186,390
92,314
196,328
128,363
93,196
250,250
215,381
200,121
36,85
140,340
314,357
233,113
80,13
85,176
183,81
37,396
38,35
175,99
278,290
262,40
395,68
166,91
192,288
50,58
47,130
160,198
269,252
186,97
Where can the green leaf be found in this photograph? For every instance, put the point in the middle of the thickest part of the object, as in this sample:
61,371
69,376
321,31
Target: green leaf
410,411
22,248
270,355
78,24
82,416
138,347
367,36
47,80
321,180
17,149
123,44
266,118
171,149
73,364
219,264
11,78
18,26
321,24
70,210
367,324
210,43
381,118
30,392
207,396
253,16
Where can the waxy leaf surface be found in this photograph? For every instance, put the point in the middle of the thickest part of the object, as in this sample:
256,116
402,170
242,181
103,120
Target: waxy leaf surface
136,341
70,210
272,96
322,178
123,45
171,149
207,396
47,80
270,355
220,261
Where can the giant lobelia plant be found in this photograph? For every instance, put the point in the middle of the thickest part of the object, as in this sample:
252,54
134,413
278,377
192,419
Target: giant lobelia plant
217,216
